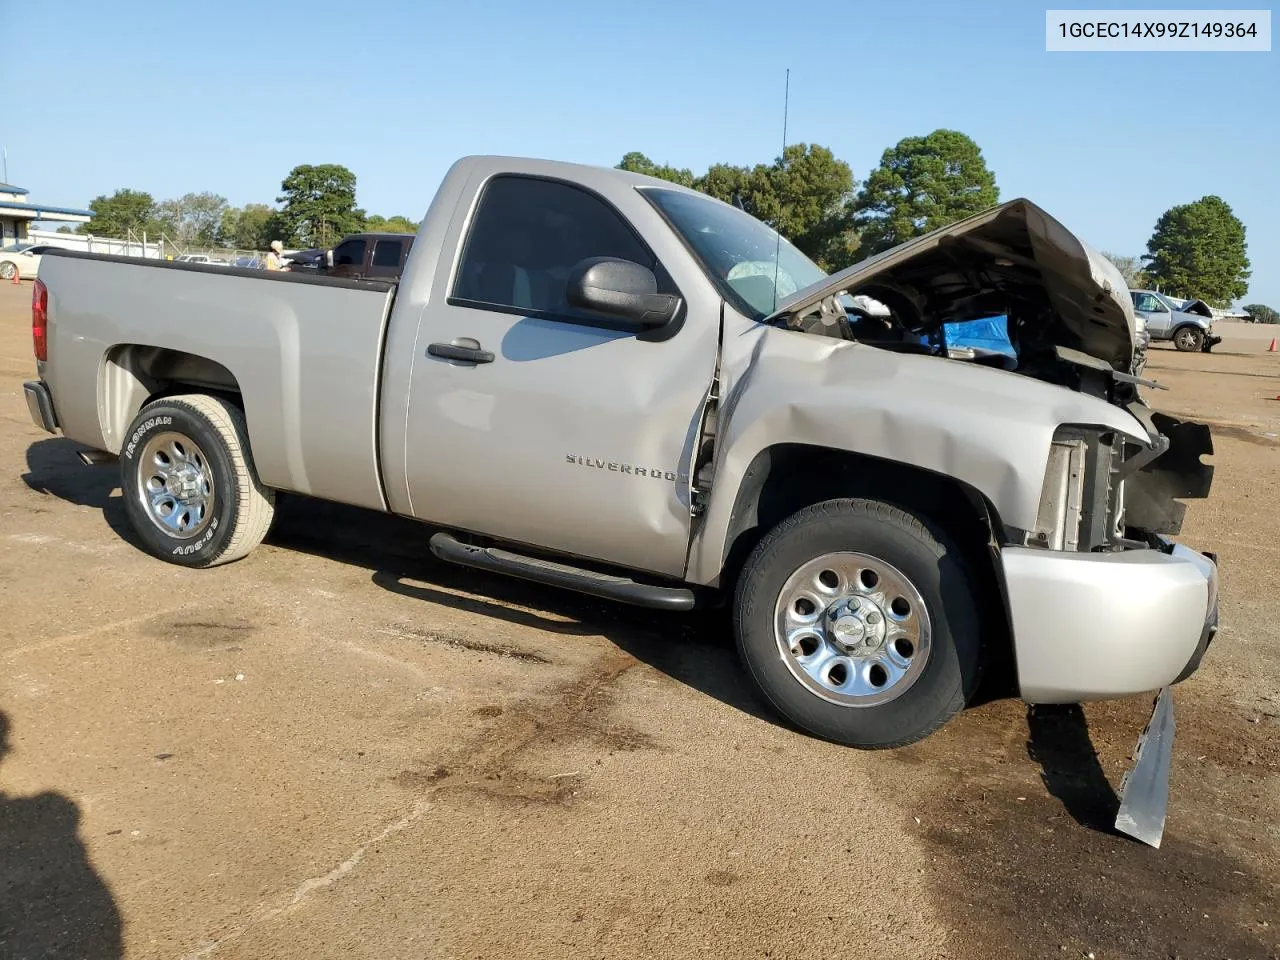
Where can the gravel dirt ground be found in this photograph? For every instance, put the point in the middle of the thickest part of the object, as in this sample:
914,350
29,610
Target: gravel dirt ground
339,747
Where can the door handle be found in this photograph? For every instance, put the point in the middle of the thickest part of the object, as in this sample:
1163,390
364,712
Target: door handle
455,351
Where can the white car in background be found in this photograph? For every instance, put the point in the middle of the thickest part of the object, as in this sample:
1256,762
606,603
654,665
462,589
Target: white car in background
201,259
21,260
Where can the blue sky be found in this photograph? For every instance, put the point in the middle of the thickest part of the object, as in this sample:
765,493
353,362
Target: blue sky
177,97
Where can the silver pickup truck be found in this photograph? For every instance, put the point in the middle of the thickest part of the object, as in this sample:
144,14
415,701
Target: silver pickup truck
1189,324
612,384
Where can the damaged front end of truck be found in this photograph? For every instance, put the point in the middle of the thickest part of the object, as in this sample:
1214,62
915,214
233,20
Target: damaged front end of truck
1070,322
1112,488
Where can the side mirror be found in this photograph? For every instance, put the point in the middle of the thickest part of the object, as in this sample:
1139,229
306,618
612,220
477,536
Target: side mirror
621,290
328,259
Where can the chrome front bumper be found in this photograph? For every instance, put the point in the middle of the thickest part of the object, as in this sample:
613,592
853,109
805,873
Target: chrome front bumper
40,405
1092,626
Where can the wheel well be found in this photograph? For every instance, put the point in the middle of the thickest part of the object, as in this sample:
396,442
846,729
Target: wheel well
788,477
134,375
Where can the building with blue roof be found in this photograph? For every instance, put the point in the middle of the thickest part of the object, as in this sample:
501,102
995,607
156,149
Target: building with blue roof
17,214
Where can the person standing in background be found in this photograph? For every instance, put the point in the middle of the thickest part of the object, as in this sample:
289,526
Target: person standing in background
275,256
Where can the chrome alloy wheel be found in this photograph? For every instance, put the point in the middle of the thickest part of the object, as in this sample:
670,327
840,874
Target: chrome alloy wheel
852,629
1186,338
175,485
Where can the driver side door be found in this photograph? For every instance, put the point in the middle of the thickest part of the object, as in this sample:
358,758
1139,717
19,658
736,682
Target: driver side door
532,422
1155,312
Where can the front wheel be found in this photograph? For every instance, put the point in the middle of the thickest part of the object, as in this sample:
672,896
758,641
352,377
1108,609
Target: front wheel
1188,340
8,270
858,624
190,487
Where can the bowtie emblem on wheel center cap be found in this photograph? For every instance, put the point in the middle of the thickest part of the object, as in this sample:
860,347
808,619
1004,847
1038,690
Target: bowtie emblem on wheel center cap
187,483
857,628
849,631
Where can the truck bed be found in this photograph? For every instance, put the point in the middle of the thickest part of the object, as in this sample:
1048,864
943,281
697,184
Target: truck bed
304,352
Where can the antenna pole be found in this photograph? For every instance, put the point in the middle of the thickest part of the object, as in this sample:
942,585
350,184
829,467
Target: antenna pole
777,252
786,100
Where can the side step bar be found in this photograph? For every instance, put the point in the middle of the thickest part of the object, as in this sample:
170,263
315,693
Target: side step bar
450,549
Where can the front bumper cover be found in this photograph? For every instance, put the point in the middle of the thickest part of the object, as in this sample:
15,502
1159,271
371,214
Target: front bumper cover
1094,626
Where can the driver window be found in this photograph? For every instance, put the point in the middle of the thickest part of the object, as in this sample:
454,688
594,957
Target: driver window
1149,303
349,254
528,234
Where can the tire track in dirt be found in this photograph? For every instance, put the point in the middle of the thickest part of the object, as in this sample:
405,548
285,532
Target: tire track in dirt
459,642
491,765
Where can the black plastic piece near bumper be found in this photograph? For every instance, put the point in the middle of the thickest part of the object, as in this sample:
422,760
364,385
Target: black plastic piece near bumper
449,548
1206,636
1152,493
40,405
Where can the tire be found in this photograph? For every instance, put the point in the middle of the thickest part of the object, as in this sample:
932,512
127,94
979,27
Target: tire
199,503
855,536
8,270
1188,339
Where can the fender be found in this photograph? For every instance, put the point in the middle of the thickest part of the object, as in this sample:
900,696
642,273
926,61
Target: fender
990,429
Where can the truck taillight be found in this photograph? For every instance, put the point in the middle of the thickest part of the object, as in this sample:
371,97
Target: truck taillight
40,320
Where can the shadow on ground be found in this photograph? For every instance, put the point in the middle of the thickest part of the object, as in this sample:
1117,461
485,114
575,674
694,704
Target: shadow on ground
53,469
1058,740
52,901
695,649
1015,875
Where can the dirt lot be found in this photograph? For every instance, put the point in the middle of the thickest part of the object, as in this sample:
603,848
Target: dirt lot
339,747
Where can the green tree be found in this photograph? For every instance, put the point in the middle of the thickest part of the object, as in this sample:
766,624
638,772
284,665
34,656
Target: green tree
277,227
806,195
727,183
124,211
246,228
380,224
923,183
1261,313
66,229
1198,251
1130,268
192,219
319,205
637,162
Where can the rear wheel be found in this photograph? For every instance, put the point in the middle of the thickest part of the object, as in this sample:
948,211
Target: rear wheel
1188,339
189,483
858,624
8,270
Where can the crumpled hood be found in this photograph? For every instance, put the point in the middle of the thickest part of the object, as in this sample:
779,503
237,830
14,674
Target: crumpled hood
1012,258
1197,307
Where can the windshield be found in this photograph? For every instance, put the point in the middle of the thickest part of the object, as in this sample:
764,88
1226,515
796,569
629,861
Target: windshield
740,254
18,247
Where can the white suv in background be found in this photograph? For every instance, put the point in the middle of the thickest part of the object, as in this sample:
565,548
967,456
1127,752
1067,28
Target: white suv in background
1188,323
